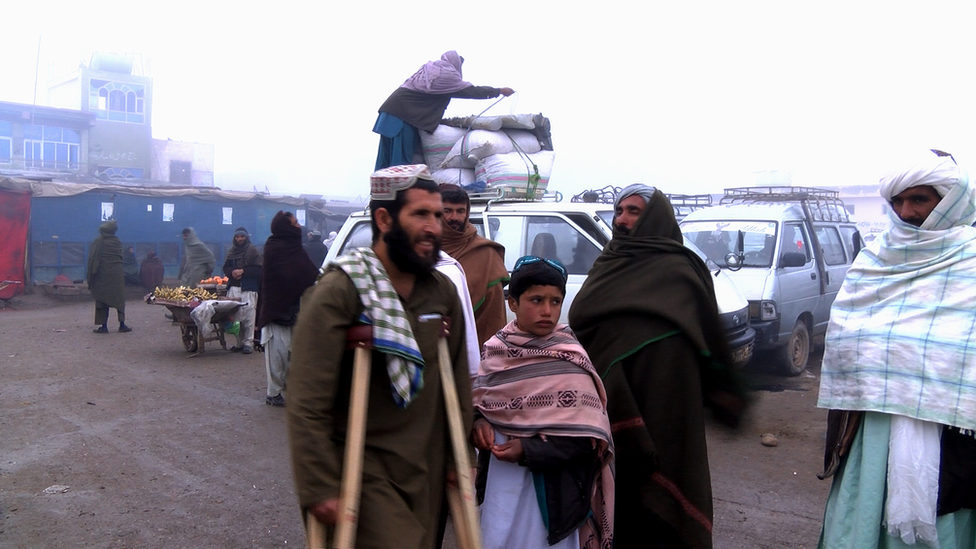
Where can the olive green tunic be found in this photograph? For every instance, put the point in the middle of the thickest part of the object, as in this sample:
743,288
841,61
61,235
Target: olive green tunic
407,449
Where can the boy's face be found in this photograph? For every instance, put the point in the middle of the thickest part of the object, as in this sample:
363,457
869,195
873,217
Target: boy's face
537,310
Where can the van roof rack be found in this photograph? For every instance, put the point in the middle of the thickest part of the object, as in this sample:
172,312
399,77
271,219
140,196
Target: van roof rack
824,204
695,200
683,204
495,194
606,195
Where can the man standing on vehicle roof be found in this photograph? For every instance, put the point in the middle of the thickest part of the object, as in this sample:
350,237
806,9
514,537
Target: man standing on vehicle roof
647,317
393,287
899,371
419,104
483,261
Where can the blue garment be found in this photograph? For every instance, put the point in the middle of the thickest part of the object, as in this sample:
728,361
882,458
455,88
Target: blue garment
398,141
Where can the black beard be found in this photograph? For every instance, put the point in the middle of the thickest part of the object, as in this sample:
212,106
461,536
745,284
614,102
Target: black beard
400,249
457,225
622,229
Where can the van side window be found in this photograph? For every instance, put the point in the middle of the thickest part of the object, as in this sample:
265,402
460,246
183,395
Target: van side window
795,240
847,237
833,248
545,236
553,237
507,231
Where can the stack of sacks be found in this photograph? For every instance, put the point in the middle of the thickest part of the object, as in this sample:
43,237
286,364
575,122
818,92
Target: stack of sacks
504,157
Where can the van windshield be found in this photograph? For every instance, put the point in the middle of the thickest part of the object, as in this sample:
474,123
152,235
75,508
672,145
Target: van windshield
717,238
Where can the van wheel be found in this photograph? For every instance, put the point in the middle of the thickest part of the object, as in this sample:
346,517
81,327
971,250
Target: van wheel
795,355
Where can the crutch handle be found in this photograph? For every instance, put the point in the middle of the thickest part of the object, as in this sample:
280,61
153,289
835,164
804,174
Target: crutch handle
359,335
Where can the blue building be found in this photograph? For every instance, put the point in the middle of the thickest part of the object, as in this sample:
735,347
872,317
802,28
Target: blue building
65,219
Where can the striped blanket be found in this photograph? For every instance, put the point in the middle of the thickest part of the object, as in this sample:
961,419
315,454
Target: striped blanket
900,338
392,334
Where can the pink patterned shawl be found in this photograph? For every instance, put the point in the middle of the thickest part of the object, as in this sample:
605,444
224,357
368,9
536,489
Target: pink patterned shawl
546,386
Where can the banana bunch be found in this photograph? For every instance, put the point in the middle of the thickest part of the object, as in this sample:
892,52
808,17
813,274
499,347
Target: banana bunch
183,293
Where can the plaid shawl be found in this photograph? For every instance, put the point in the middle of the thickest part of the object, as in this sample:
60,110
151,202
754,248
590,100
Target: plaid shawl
900,334
392,334
529,385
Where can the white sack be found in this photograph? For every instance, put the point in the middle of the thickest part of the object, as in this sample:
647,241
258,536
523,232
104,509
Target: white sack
480,144
436,145
512,171
454,176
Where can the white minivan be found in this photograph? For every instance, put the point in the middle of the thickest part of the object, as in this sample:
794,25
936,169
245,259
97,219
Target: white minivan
572,233
788,250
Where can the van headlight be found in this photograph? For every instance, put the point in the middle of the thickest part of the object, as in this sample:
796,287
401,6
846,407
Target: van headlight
763,310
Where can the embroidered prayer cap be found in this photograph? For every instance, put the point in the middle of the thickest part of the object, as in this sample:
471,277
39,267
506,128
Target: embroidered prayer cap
386,183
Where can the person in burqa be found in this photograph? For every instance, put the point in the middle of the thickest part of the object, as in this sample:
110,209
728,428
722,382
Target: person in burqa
285,274
242,267
315,249
151,271
106,279
648,319
198,261
419,104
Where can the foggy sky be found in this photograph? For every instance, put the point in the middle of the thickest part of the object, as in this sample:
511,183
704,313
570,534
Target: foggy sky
690,97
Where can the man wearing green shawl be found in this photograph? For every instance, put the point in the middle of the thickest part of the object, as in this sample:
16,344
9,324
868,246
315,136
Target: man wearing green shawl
647,317
106,279
198,261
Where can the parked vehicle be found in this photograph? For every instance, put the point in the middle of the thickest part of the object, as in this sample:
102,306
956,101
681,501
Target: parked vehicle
573,233
788,250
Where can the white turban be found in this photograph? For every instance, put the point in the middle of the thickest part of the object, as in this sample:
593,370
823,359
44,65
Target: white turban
939,172
958,204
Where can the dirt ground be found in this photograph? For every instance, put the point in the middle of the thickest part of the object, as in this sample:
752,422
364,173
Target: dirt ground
152,449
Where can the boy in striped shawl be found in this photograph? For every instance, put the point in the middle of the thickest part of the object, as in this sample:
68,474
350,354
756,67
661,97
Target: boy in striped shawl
545,476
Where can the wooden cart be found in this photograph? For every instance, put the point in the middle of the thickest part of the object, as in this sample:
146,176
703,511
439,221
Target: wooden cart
193,339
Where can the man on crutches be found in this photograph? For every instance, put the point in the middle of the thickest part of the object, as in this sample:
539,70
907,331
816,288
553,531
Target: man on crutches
407,454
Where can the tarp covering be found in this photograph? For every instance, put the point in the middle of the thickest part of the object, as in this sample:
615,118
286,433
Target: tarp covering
15,207
44,189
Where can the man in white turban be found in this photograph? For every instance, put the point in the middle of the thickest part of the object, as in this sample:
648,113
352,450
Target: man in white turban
899,371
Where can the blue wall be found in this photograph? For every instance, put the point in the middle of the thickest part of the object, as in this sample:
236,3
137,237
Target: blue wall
62,228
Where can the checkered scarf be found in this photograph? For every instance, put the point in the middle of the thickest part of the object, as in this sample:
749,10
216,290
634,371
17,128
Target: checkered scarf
900,338
392,334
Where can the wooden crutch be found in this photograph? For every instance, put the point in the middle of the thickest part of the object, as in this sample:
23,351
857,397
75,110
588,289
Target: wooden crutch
462,505
360,338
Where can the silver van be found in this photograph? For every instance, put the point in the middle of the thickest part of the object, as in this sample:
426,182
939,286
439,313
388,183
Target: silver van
572,233
788,250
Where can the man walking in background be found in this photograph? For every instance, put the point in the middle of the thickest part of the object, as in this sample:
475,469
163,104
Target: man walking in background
286,272
105,276
242,267
315,249
198,261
